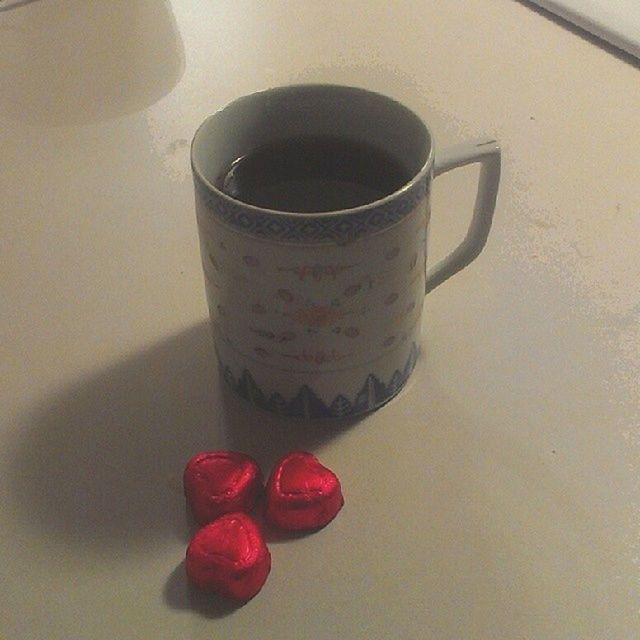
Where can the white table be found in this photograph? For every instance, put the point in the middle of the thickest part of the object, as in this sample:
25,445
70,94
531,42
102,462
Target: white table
497,497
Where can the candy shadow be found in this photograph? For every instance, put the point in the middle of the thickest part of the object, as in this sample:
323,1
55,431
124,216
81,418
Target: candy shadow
179,594
98,465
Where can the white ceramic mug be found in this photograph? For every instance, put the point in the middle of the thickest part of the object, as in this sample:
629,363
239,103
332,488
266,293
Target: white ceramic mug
317,315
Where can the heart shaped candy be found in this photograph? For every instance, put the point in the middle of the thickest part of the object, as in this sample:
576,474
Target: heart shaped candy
301,493
229,557
218,482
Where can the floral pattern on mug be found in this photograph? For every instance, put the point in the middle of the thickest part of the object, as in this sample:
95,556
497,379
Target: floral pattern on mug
352,290
279,336
316,315
251,261
214,262
286,295
392,253
317,271
316,357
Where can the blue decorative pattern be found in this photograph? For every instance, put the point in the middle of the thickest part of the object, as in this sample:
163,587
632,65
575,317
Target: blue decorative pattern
306,403
340,228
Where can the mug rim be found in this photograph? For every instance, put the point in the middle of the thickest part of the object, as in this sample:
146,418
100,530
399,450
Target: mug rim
398,193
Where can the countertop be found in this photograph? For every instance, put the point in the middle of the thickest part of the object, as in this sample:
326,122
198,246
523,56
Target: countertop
496,497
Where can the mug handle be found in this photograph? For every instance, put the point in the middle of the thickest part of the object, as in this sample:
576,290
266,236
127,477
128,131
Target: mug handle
487,153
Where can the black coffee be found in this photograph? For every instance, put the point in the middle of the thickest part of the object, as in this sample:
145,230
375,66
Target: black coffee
312,174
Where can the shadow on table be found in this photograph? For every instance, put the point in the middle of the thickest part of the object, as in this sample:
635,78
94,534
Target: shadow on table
99,465
179,594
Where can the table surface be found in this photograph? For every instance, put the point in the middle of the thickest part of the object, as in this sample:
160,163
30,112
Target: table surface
496,497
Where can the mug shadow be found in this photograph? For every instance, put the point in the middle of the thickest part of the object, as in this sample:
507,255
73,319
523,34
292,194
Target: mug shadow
99,464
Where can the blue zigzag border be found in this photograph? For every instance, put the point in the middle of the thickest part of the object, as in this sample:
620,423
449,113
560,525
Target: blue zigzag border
306,403
338,228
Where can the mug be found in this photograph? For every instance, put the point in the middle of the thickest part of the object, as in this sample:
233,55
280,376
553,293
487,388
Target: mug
319,314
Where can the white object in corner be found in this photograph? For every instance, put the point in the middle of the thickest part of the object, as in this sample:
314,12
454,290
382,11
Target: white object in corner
616,21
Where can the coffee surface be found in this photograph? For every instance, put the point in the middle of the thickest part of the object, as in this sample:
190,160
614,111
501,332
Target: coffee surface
312,174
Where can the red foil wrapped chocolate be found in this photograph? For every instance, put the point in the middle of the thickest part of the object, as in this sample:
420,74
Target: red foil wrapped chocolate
302,494
219,482
229,557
